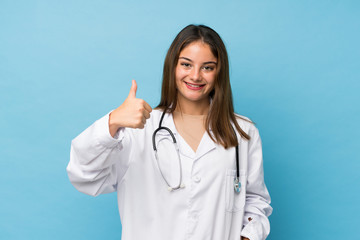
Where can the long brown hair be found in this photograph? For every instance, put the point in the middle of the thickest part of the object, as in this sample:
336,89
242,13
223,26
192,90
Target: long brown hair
221,113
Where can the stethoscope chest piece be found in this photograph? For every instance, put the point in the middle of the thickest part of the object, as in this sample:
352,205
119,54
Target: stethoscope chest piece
237,185
170,189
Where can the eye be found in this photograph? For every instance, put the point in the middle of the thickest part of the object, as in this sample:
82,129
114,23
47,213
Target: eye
208,68
187,65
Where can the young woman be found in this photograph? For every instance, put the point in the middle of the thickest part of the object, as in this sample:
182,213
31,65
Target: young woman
190,168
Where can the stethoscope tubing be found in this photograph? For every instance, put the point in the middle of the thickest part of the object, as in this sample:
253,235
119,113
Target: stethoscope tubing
237,184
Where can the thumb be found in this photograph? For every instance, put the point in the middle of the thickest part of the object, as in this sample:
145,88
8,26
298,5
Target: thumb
133,89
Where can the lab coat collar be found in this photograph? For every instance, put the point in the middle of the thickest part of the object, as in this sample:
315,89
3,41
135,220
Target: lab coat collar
168,122
206,145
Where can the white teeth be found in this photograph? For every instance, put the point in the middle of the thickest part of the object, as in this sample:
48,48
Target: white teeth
191,85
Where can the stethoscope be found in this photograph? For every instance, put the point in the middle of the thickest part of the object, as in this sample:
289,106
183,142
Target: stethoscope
237,184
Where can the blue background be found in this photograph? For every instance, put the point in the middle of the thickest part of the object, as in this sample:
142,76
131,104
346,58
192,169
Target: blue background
294,71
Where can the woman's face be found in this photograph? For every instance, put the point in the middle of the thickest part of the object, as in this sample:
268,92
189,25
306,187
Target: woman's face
195,73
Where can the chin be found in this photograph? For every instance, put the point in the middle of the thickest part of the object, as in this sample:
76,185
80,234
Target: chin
193,98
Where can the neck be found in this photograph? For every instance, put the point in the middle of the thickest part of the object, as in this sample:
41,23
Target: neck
193,108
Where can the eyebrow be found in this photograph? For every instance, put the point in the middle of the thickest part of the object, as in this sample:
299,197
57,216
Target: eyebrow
188,59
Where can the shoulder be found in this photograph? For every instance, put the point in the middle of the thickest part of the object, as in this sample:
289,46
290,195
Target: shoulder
155,115
154,120
247,125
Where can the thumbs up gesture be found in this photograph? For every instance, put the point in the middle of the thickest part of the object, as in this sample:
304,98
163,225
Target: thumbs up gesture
132,113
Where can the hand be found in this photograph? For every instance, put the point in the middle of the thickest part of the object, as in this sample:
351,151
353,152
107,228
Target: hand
132,113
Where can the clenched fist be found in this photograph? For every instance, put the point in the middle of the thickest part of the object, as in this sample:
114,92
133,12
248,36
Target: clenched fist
132,113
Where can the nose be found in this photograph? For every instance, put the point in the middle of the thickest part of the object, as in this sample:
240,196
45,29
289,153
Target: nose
195,74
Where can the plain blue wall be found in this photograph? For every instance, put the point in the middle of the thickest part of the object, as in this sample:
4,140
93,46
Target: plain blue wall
294,71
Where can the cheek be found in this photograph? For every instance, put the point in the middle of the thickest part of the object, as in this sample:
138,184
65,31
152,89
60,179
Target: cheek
177,79
211,80
179,75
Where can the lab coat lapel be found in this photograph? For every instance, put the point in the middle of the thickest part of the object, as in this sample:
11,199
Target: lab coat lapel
206,145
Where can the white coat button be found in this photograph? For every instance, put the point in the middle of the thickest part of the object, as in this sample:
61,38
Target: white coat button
197,179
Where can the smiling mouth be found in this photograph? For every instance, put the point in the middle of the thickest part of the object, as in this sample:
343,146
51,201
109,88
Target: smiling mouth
194,86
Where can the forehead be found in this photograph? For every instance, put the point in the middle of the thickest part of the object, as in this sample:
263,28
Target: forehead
198,50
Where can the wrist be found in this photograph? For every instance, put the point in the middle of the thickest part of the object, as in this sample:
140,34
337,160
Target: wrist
113,127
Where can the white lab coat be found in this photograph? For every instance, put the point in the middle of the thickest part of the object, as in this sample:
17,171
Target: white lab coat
206,209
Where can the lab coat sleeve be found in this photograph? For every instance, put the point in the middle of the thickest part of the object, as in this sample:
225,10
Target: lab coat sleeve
257,206
97,160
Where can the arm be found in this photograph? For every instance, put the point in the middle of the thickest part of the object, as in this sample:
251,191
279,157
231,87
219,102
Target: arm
99,156
97,160
257,206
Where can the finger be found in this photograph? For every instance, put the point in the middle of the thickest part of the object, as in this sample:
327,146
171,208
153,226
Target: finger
132,93
147,107
143,120
146,114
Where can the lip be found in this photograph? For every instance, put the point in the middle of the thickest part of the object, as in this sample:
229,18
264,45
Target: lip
198,86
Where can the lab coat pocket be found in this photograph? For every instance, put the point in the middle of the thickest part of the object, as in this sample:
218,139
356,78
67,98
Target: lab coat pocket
234,201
